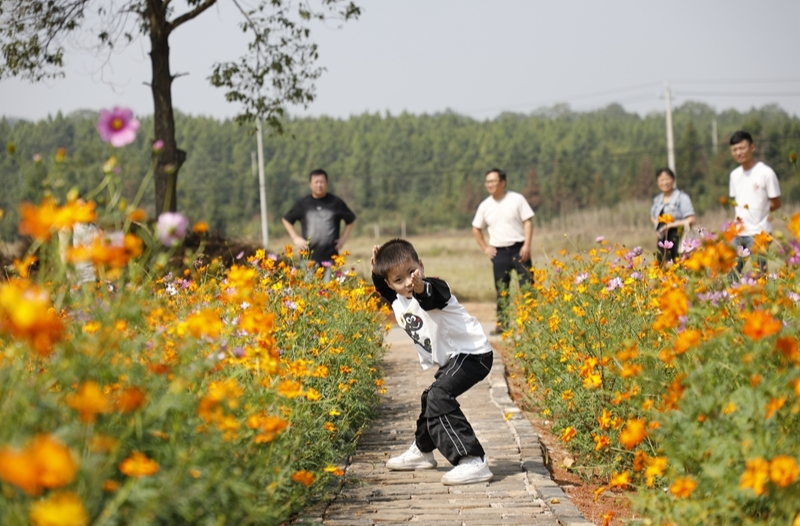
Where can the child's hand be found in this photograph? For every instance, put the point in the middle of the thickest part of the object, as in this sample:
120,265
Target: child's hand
372,259
416,281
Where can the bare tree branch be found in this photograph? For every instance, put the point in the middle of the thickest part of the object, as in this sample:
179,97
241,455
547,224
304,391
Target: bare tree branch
191,14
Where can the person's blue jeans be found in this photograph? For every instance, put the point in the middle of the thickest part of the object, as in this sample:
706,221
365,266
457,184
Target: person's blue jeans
748,242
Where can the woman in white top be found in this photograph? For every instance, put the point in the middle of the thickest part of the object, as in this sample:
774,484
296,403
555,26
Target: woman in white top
678,205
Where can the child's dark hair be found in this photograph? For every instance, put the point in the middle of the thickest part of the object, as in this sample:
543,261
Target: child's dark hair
394,253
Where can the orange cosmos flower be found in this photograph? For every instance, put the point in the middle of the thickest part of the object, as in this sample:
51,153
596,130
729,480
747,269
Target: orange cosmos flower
686,340
138,465
794,225
773,405
200,227
23,267
683,487
110,486
568,434
783,470
718,258
204,323
655,468
604,419
761,242
304,477
607,517
601,442
760,324
130,399
633,433
789,348
674,304
43,463
59,509
755,476
137,215
620,480
40,222
26,313
335,471
89,401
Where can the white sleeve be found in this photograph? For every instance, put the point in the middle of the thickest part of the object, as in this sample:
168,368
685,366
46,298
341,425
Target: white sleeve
525,210
771,184
731,190
479,221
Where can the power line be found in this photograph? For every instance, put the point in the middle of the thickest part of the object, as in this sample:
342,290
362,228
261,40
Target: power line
740,94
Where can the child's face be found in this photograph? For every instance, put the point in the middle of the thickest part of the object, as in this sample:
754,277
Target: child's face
403,277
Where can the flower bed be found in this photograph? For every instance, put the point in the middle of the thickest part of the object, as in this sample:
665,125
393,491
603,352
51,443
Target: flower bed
681,383
132,394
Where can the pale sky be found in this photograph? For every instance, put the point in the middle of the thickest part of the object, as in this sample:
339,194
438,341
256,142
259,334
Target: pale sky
475,57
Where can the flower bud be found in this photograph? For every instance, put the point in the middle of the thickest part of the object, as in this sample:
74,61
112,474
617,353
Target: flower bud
11,148
61,154
793,157
37,158
158,145
169,169
109,165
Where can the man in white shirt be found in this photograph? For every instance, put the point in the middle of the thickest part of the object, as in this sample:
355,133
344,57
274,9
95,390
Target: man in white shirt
755,191
507,217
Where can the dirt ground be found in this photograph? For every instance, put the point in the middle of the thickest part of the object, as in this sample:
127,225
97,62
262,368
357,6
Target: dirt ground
611,508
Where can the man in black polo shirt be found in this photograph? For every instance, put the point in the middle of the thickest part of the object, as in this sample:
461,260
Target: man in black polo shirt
320,214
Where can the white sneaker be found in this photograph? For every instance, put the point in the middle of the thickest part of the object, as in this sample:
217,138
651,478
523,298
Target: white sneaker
411,460
468,471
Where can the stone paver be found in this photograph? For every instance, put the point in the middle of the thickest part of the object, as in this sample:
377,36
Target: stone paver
521,493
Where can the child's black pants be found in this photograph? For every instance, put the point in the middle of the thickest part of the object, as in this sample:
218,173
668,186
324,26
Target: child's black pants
441,424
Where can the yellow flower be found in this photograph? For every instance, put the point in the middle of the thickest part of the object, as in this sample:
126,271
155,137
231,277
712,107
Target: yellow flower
59,509
683,487
89,401
138,465
783,470
686,340
633,433
755,476
620,480
655,468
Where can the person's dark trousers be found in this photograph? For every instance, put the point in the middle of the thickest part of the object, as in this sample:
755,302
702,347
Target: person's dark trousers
506,260
747,242
667,252
441,424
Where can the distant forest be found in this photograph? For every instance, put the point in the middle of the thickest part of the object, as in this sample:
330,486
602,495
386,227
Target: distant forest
424,170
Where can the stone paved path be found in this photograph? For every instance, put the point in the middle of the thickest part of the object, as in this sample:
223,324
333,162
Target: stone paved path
521,493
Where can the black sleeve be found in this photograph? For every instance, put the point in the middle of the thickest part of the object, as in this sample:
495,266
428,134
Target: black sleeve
435,296
383,289
295,213
345,213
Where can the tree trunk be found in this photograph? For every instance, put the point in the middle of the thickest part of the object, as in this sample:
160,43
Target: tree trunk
171,158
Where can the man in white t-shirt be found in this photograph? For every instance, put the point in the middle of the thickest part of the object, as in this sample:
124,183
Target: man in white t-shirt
507,217
755,191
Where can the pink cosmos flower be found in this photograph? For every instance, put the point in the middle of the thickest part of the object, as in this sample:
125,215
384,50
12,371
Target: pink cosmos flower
117,126
171,228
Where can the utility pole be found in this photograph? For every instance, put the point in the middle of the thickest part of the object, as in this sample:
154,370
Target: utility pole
670,140
714,138
262,188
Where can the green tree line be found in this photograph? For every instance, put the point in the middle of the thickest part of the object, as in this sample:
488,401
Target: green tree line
424,170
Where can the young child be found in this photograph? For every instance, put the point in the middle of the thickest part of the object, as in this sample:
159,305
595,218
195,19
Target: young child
448,337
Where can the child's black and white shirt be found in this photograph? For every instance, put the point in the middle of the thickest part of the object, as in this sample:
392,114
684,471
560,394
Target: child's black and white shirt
439,325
